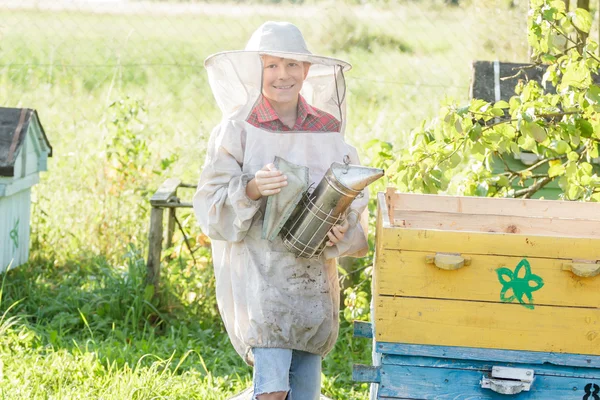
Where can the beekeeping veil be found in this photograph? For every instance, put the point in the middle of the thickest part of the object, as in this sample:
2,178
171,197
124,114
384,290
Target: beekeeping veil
236,81
235,77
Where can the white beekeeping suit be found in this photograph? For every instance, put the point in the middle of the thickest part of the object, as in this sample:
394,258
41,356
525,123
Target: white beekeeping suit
266,296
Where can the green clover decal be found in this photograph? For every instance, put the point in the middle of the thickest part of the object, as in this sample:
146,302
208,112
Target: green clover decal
14,235
520,287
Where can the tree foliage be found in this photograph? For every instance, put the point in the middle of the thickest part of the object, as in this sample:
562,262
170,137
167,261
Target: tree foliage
470,149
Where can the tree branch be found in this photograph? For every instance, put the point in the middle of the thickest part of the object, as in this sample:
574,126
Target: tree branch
530,191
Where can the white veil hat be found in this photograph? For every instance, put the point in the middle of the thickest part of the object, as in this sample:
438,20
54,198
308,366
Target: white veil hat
235,77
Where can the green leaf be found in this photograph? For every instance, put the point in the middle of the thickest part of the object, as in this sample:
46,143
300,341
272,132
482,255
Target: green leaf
482,189
573,156
585,128
556,170
497,112
586,169
582,20
501,104
538,133
576,75
560,146
593,94
574,192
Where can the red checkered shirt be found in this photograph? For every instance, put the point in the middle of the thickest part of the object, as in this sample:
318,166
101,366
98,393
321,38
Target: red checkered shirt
310,119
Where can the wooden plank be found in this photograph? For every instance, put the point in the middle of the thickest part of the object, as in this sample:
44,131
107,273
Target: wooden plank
492,355
494,206
18,184
406,273
542,226
486,366
487,325
363,329
446,384
365,373
171,204
166,190
155,238
170,227
490,243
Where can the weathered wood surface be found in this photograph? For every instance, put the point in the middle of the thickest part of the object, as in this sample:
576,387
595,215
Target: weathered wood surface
508,244
164,198
167,190
487,325
155,238
400,202
498,223
487,365
363,329
491,355
409,382
406,273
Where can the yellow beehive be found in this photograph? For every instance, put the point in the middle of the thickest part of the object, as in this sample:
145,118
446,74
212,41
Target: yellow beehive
487,273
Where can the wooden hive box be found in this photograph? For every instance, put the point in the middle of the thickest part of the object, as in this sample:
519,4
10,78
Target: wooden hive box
481,298
24,150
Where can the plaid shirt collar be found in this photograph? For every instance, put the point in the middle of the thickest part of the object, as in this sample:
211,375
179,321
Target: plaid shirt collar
265,112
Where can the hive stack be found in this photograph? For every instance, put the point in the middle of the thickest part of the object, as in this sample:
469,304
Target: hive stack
478,298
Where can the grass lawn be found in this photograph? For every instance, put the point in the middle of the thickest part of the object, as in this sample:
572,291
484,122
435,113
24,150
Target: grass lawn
125,103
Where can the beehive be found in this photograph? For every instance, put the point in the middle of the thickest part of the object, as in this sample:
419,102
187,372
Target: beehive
462,285
24,149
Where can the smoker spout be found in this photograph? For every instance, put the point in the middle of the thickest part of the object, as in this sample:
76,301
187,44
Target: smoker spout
356,177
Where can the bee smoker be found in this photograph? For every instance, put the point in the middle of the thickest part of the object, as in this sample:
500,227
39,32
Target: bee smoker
305,231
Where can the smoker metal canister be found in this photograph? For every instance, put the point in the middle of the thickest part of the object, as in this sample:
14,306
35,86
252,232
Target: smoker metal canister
305,232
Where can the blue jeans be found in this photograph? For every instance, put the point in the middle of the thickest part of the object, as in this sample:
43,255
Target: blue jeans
284,370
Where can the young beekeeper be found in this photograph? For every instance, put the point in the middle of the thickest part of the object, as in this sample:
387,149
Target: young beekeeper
280,311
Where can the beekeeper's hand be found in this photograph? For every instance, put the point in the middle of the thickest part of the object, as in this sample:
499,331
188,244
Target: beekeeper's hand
267,182
337,233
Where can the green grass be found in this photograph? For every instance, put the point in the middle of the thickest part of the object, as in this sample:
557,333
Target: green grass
77,322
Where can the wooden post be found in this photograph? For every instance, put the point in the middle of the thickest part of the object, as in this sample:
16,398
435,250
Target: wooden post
170,227
154,247
161,199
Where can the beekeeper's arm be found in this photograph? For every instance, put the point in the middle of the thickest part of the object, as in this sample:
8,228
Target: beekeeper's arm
354,243
221,204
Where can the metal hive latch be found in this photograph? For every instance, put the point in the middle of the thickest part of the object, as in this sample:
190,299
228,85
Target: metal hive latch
506,380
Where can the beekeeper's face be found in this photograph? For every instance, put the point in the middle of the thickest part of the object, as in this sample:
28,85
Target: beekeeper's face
283,78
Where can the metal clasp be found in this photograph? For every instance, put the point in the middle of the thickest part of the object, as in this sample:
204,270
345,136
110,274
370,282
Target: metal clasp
506,380
346,163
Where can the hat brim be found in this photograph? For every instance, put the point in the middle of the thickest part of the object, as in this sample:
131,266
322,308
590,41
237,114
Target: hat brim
310,58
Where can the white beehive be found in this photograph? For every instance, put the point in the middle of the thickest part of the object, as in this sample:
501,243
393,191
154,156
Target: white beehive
24,150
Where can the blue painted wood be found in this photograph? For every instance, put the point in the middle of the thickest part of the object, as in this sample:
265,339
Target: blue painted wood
365,373
486,366
426,383
469,353
363,329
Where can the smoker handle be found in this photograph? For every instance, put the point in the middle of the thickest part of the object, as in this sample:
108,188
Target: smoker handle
447,261
582,269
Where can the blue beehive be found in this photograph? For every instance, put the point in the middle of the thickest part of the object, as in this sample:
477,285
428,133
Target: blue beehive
24,150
